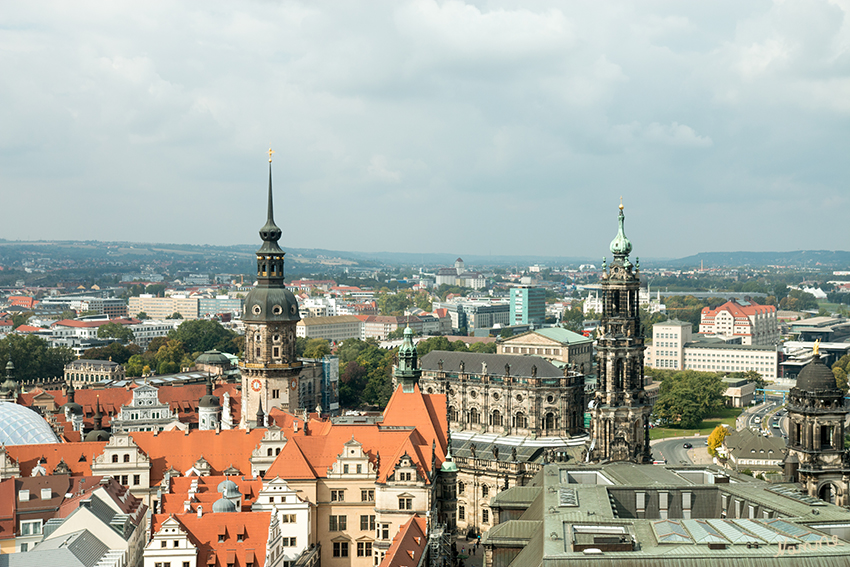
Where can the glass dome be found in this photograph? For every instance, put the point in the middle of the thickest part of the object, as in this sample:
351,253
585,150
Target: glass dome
20,425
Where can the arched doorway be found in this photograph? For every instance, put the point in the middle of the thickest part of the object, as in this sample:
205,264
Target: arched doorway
828,493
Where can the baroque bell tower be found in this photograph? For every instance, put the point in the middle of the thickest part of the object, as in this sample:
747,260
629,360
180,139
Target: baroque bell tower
620,409
270,370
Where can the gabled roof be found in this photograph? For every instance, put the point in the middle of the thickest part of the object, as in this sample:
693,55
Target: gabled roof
204,533
78,456
426,411
181,450
408,544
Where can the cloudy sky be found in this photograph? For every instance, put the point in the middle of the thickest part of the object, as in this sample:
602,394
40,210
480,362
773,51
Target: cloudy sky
423,126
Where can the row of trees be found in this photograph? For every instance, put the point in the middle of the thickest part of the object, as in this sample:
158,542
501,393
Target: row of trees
366,368
34,360
687,397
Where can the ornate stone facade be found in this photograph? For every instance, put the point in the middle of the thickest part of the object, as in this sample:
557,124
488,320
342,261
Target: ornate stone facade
817,458
620,408
506,394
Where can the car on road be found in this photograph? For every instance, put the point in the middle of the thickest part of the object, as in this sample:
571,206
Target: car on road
756,419
775,425
688,446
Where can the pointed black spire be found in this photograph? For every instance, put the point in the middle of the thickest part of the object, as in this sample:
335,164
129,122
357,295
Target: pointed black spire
270,233
261,417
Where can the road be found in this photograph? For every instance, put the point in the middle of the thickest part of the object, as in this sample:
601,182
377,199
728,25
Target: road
673,450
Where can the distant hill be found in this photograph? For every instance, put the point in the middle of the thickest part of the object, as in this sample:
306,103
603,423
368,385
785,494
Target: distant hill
799,258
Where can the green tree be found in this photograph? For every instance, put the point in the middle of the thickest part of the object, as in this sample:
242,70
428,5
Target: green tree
840,377
200,335
116,352
157,290
317,348
68,314
573,319
687,397
34,360
115,331
141,316
21,319
175,315
482,347
394,303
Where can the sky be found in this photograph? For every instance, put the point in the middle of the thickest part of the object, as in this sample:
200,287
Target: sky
503,128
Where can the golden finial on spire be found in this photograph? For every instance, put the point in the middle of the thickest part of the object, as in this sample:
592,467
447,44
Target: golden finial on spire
621,202
816,348
271,151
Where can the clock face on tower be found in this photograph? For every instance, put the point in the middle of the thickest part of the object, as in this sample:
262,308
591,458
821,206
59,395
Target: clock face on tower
293,384
256,385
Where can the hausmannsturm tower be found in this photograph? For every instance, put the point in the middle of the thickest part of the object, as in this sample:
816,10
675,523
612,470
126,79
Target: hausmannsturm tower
620,408
270,370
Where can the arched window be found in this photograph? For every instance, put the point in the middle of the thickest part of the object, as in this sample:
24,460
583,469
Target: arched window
496,418
461,513
126,458
549,422
460,488
114,458
452,414
485,491
473,416
520,421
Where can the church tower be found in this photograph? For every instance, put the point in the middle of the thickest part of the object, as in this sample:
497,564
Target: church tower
816,415
619,408
406,372
270,370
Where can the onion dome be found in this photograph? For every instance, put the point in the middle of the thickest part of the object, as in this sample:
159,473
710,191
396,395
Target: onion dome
223,505
816,377
71,406
9,385
229,489
208,400
98,433
621,246
270,301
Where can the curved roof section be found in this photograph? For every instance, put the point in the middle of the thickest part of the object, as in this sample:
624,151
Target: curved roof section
212,357
270,304
816,377
20,425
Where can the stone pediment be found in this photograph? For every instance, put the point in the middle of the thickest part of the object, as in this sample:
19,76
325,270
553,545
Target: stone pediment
531,339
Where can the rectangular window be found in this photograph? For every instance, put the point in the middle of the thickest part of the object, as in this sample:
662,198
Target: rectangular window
405,503
124,479
485,516
364,523
288,518
31,527
137,479
364,548
276,352
345,469
367,495
275,394
338,495
337,523
340,549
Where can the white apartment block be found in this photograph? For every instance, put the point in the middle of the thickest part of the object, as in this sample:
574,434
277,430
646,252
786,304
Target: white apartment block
336,328
162,307
149,329
672,348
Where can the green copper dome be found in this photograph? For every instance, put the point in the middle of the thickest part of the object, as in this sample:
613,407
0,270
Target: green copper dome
621,246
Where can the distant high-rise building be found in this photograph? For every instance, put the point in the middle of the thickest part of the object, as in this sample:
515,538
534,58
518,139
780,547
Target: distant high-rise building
528,305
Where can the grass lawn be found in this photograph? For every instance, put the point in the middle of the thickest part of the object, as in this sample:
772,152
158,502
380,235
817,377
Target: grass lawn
726,415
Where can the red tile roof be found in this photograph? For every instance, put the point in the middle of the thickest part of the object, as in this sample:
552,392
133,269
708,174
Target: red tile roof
204,532
78,456
28,329
178,449
207,494
408,544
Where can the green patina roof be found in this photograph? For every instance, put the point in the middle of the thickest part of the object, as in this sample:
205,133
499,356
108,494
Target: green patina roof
562,335
621,246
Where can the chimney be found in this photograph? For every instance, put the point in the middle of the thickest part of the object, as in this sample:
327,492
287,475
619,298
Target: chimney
295,425
200,511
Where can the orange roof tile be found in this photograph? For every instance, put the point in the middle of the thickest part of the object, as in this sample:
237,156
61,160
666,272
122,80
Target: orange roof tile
408,544
231,447
207,494
204,532
78,456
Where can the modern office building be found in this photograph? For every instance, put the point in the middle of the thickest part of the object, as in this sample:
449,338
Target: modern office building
528,305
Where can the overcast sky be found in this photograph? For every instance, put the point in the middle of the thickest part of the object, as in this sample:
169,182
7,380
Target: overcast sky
468,128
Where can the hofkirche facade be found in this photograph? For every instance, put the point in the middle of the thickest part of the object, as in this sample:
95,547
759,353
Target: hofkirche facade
620,408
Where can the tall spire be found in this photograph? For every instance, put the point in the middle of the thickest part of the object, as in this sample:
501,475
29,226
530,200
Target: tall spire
621,246
270,233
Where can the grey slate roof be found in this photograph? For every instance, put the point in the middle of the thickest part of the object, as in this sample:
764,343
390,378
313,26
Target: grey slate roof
473,363
77,549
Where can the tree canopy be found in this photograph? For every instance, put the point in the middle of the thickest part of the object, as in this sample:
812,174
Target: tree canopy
115,331
201,335
687,397
34,360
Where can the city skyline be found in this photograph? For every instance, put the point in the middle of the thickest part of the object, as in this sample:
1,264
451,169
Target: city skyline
496,128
